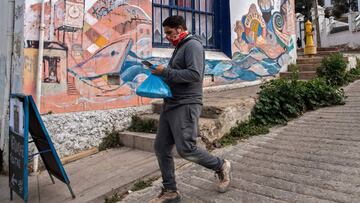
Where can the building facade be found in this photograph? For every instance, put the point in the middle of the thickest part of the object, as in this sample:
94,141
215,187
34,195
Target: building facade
92,48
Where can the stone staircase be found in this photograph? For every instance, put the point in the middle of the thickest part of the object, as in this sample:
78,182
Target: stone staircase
220,112
307,65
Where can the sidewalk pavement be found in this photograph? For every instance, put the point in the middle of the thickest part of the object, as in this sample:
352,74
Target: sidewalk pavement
91,178
315,158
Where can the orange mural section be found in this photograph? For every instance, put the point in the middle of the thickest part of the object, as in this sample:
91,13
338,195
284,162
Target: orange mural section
86,62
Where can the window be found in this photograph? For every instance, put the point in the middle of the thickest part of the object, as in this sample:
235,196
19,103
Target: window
200,17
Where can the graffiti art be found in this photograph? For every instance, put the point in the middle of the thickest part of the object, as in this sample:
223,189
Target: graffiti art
94,48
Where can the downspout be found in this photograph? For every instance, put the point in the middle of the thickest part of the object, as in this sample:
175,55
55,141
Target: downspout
39,69
10,40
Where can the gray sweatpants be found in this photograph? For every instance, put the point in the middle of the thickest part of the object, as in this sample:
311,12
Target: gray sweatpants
179,126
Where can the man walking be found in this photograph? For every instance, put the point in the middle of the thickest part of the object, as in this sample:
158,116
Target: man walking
180,114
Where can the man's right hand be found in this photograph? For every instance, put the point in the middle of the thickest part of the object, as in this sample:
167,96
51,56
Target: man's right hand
157,70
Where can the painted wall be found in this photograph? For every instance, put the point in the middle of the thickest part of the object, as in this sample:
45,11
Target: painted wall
92,49
86,62
263,37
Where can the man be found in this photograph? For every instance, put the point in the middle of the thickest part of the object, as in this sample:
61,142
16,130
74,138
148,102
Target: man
180,114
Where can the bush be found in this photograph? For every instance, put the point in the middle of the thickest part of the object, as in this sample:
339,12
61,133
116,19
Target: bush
142,184
143,125
320,94
247,129
114,198
111,140
243,130
333,69
279,100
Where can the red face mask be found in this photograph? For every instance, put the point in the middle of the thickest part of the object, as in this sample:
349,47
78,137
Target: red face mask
181,36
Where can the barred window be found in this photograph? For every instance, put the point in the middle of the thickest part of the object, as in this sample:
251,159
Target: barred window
199,16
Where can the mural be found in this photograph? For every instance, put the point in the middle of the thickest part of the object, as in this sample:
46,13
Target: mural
262,44
89,53
93,50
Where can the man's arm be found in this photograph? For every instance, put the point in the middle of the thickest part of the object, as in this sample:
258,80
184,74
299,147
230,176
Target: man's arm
194,60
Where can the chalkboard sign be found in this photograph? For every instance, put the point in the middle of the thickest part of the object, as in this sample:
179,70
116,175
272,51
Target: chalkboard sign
18,146
25,119
16,164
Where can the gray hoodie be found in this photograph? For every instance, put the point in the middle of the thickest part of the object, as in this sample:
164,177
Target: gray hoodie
185,72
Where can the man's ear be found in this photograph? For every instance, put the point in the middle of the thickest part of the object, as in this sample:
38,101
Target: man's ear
180,29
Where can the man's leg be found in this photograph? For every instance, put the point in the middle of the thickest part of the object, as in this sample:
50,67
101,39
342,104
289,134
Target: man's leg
183,122
164,144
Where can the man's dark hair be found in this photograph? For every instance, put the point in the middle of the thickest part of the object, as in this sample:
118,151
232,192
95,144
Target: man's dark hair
175,22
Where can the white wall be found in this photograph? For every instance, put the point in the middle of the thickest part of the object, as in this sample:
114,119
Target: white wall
352,39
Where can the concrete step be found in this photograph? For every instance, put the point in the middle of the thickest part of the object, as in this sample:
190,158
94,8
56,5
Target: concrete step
321,49
313,59
208,111
305,67
220,112
145,141
209,129
304,75
309,60
138,140
320,53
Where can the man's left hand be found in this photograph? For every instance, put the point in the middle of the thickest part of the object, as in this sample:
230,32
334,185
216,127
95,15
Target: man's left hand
157,70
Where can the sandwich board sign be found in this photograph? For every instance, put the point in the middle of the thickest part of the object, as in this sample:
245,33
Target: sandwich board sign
25,119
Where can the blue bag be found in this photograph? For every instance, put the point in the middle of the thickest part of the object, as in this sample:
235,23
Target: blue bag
153,87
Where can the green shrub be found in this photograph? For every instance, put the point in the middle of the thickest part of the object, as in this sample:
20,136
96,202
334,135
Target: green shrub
227,140
143,125
333,69
279,100
142,184
111,140
114,198
243,130
319,94
247,129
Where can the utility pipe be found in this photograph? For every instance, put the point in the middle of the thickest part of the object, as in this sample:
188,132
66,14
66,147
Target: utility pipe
39,69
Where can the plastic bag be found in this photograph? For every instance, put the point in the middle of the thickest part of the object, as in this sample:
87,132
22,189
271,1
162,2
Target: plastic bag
153,87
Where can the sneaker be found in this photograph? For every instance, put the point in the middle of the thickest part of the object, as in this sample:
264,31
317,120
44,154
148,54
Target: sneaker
224,176
167,196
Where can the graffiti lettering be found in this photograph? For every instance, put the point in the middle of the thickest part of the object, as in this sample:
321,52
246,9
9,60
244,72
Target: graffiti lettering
102,8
